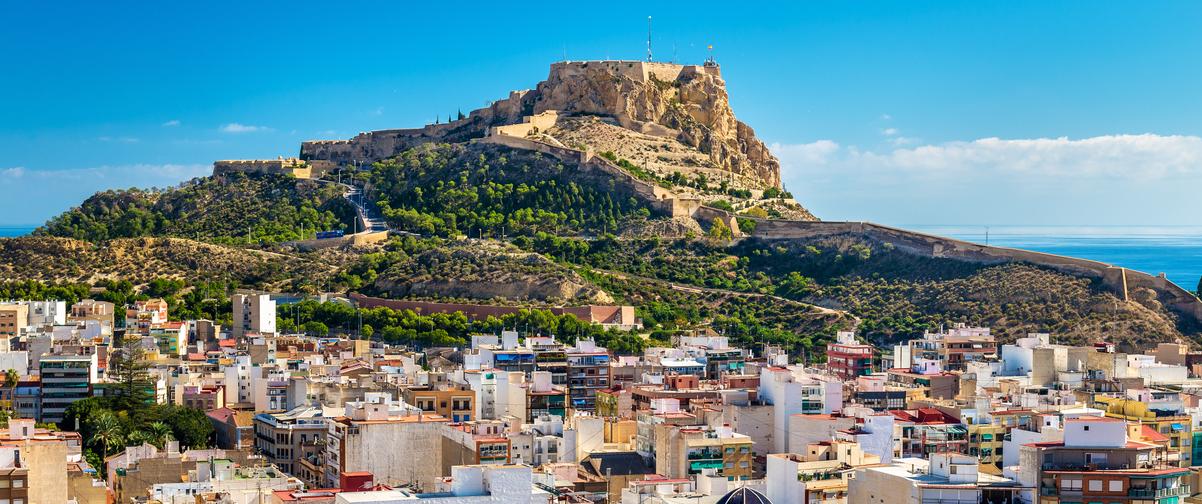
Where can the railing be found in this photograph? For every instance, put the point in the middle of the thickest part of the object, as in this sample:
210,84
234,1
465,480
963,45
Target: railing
1179,490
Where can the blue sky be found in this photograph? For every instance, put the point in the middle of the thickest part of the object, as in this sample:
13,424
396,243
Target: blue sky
897,112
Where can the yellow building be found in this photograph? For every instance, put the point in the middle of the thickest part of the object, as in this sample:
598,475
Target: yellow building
985,442
1177,428
458,405
682,451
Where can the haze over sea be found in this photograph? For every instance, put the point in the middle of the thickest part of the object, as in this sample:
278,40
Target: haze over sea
1175,251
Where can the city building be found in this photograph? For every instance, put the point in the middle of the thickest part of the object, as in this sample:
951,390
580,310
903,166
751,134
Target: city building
64,380
253,313
293,441
847,358
588,372
413,440
684,451
455,403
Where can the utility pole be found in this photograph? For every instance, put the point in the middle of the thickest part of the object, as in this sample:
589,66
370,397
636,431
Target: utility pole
648,39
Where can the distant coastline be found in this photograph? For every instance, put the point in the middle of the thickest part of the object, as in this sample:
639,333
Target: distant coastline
11,231
1175,251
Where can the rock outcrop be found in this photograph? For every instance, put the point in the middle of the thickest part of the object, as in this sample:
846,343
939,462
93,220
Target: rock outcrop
685,103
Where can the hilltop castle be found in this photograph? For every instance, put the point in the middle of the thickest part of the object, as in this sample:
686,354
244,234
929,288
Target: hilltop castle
687,103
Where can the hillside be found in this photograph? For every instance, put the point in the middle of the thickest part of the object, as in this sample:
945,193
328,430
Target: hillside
469,189
896,294
480,270
236,209
140,260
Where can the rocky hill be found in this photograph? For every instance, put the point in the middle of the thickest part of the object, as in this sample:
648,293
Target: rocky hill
685,105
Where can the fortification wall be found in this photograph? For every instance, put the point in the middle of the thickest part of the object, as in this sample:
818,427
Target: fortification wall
638,70
372,146
364,238
706,215
280,166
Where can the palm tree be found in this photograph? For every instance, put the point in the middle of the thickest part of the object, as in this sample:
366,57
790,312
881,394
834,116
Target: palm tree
106,432
11,379
160,434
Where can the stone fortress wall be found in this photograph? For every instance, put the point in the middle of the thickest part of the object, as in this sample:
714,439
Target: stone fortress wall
641,71
280,166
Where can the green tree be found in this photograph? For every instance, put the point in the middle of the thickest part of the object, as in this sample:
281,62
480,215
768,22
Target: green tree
189,425
160,434
315,328
107,434
11,379
130,369
719,231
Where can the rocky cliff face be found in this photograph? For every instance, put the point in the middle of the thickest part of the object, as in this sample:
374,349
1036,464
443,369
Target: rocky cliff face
687,103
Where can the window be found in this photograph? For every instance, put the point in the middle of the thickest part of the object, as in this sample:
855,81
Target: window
1095,485
1070,484
1116,485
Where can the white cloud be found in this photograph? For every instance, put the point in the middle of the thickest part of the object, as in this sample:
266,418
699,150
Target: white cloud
886,117
173,122
889,131
125,140
15,172
1145,157
816,153
1110,179
243,128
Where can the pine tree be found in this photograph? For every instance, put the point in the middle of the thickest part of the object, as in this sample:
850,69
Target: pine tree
129,368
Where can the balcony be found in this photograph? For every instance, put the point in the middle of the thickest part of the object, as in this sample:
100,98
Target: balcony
1177,491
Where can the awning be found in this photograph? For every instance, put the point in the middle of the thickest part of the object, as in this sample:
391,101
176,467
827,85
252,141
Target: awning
1177,427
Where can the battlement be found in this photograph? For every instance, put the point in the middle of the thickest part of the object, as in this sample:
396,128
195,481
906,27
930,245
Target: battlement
642,71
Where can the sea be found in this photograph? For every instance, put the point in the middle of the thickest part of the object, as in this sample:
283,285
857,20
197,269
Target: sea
1175,251
10,231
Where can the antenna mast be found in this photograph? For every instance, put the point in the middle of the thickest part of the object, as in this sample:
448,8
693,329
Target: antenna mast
648,39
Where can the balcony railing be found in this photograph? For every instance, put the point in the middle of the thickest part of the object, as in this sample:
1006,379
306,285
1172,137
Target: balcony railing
1180,490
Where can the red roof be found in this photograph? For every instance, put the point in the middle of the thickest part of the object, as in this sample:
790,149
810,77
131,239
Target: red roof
229,343
1147,432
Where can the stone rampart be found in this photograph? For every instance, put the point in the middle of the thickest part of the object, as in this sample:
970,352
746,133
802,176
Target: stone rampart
357,239
280,166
